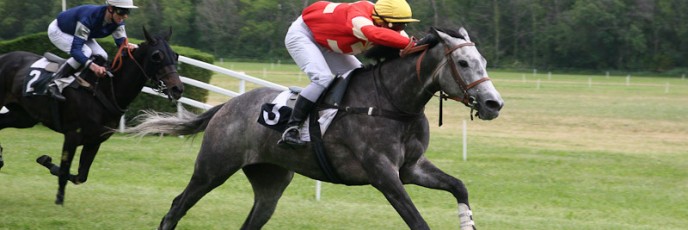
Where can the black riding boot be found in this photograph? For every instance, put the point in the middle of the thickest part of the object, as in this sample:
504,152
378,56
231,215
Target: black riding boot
64,71
299,114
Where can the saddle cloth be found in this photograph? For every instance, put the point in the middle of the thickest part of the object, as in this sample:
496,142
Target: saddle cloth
275,115
43,68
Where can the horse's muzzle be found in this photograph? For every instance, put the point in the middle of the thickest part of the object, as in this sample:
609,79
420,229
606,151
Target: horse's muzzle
172,85
488,108
175,92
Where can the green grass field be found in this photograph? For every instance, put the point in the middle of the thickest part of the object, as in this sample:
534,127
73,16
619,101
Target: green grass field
569,152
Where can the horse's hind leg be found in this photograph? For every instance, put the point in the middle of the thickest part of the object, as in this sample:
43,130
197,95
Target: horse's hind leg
211,170
425,174
268,182
2,162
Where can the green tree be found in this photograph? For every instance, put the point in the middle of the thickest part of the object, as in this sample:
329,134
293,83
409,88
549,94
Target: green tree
219,22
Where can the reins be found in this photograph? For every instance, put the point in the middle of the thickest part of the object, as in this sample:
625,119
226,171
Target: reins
117,61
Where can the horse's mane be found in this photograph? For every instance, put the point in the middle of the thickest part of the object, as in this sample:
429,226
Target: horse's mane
381,53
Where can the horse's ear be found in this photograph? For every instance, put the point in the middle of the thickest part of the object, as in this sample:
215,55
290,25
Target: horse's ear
169,34
434,31
147,35
464,33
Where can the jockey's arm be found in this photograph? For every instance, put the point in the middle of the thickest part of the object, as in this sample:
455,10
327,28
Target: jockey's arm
81,35
378,35
120,36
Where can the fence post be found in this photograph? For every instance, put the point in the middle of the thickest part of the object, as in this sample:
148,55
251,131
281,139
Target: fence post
180,107
318,184
465,142
122,124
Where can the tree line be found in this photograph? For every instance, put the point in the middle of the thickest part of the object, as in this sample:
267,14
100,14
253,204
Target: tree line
624,35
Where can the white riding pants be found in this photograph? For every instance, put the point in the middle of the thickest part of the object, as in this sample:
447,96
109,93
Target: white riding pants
63,41
319,63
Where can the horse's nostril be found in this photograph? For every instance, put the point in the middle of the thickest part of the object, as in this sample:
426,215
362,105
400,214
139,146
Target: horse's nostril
492,104
177,92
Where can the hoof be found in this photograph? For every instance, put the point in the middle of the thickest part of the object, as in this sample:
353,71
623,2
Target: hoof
59,200
45,160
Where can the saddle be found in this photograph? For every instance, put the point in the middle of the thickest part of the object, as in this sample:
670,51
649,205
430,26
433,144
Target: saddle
46,66
275,114
43,68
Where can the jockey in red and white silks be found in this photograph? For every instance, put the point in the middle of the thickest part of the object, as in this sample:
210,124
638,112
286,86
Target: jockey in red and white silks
327,35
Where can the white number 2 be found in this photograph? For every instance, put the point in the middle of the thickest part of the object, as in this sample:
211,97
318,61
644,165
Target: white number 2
34,77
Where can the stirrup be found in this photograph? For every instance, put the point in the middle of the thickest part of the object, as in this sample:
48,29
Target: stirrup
292,141
55,93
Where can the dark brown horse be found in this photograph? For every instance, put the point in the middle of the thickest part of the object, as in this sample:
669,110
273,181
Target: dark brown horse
378,137
90,114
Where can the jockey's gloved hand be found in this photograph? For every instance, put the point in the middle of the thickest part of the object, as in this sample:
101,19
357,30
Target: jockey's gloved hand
429,38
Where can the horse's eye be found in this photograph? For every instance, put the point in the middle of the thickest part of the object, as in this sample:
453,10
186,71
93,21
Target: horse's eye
157,56
463,63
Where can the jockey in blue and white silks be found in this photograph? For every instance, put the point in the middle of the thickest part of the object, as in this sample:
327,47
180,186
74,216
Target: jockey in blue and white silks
75,30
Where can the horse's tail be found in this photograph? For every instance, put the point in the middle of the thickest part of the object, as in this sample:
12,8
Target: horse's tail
181,123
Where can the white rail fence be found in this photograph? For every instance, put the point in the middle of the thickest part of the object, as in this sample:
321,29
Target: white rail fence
217,69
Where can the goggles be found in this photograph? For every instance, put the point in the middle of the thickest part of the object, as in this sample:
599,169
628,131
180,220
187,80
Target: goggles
397,26
121,11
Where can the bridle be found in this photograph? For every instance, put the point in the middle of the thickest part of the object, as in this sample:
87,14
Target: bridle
160,85
467,100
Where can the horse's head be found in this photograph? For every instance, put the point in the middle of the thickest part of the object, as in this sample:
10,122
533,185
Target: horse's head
160,64
462,73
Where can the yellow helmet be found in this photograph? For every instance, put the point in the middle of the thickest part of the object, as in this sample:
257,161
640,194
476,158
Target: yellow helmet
393,11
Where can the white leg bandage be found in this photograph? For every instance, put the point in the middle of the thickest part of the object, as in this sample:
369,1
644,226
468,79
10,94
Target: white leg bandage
465,217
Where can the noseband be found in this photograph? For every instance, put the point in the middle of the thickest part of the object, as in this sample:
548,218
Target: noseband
466,100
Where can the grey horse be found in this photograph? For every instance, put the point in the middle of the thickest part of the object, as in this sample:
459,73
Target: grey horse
394,92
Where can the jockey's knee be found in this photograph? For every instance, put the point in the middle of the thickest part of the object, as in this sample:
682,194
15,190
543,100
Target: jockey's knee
312,91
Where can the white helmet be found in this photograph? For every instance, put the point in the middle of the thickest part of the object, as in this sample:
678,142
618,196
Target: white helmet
129,4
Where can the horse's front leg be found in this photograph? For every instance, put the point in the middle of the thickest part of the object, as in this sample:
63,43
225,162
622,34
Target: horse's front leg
425,174
88,154
383,175
68,152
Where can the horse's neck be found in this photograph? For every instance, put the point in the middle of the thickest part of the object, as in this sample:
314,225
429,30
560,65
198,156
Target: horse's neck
407,91
128,82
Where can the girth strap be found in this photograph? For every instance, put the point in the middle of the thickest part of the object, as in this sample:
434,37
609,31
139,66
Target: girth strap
319,149
372,111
